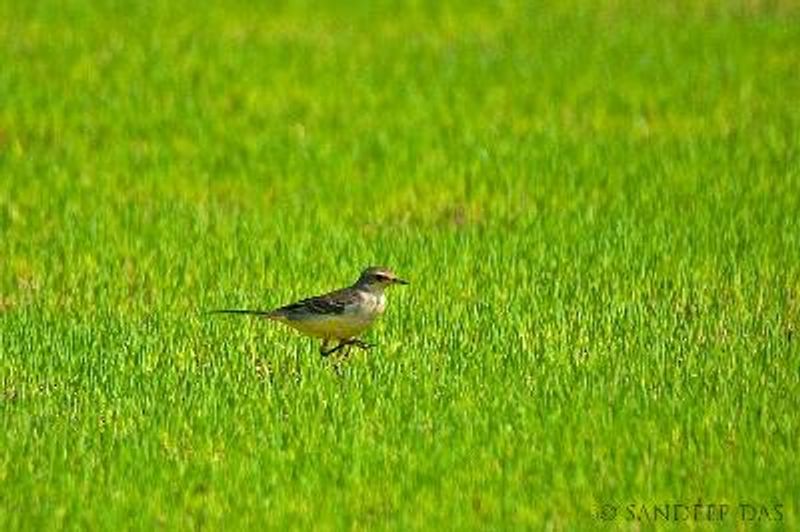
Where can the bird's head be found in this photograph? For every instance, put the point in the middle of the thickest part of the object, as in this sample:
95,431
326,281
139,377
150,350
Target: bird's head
378,278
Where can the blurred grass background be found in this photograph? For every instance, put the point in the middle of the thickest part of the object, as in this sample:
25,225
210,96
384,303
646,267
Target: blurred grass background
596,203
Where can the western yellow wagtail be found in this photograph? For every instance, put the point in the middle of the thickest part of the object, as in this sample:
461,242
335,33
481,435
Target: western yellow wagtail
339,316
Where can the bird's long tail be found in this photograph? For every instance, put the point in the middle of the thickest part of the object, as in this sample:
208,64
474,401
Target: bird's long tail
264,313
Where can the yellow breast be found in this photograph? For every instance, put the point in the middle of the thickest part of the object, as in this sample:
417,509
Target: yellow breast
340,327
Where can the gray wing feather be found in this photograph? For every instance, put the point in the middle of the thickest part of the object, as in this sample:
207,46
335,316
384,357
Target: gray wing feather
331,303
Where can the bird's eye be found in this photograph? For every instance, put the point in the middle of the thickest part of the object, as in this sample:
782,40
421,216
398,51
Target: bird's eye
381,277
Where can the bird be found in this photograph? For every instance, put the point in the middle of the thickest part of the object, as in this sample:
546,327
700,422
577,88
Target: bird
338,317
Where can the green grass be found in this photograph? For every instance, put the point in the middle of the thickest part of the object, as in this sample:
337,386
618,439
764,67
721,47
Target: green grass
598,205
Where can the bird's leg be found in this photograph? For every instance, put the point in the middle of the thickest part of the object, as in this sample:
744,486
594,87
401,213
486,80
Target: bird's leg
346,346
334,349
361,344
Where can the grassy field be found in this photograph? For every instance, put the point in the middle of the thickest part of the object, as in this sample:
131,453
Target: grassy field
597,204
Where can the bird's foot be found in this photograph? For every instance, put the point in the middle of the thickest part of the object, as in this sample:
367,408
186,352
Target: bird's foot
345,346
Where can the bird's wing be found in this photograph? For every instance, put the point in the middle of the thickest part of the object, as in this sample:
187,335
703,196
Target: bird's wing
334,302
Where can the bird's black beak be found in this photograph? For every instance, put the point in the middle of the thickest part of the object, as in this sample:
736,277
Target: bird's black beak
397,280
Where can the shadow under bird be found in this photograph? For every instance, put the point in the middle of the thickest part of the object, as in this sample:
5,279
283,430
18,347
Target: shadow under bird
338,317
